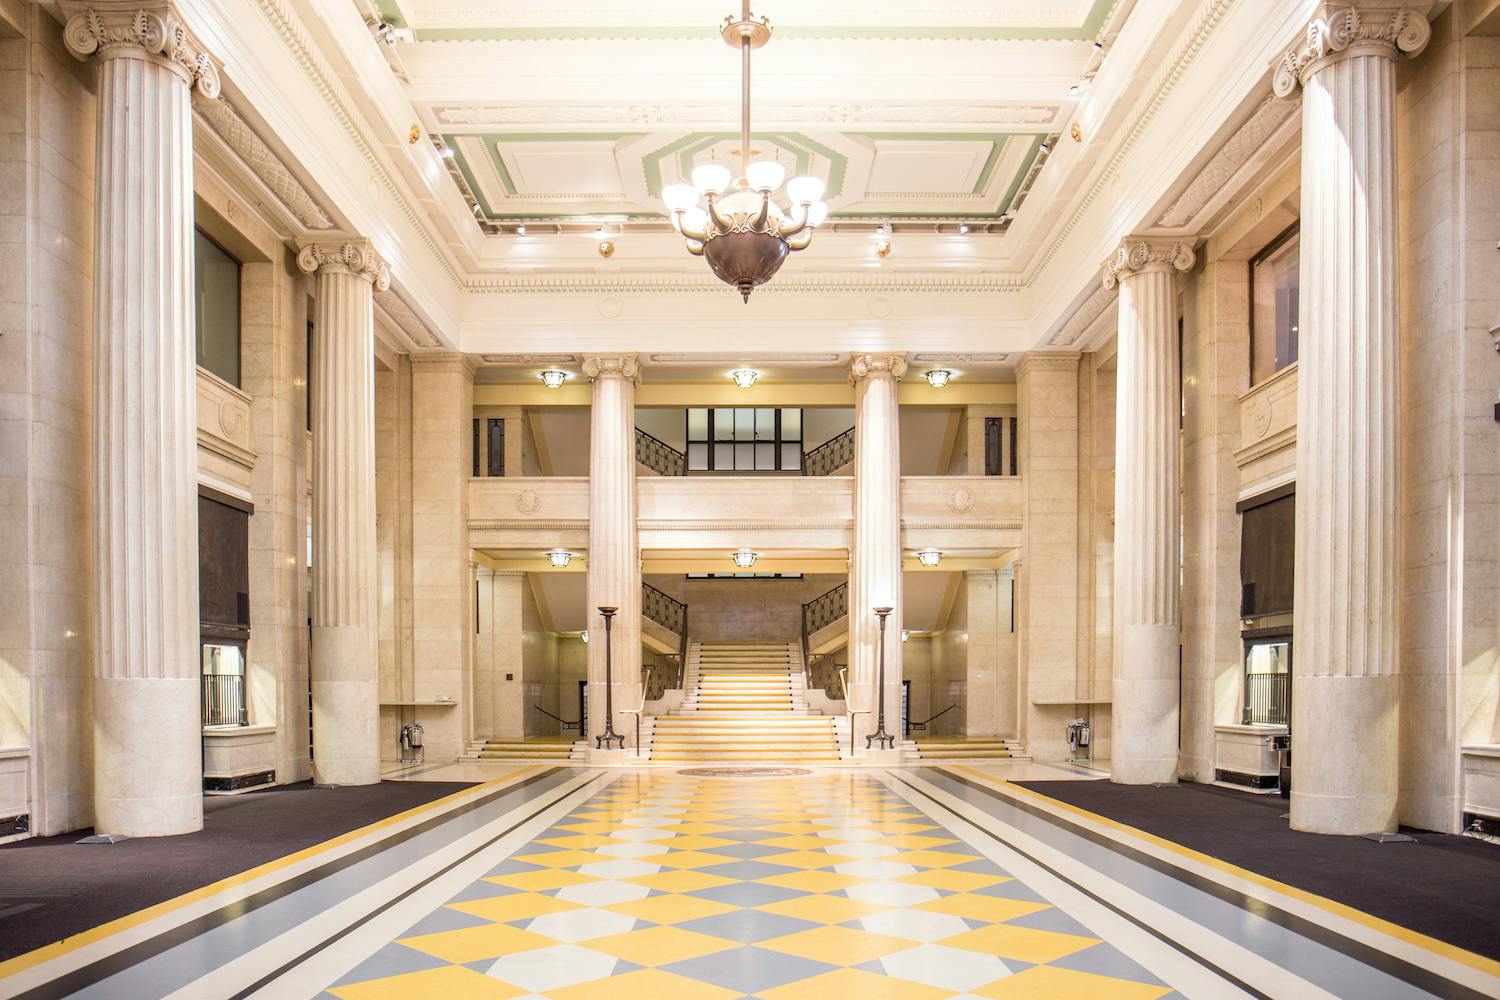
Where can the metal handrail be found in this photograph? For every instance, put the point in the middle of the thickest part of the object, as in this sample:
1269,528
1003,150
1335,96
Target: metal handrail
658,456
824,610
639,709
849,708
664,609
564,722
830,456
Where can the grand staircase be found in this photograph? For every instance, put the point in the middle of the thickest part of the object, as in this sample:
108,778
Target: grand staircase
745,702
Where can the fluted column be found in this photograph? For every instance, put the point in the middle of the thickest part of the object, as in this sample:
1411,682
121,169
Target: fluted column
875,562
345,665
1345,695
614,573
148,773
1148,527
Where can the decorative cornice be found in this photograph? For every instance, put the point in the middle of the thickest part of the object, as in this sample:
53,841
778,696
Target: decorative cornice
616,366
1339,29
1085,316
791,114
868,365
686,283
516,524
355,257
229,125
132,28
1240,148
829,524
1139,256
405,320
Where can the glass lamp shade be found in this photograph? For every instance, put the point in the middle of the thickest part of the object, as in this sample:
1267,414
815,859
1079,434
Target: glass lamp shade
816,213
938,377
695,219
710,177
553,379
929,557
802,190
558,558
765,175
744,558
744,377
679,197
747,203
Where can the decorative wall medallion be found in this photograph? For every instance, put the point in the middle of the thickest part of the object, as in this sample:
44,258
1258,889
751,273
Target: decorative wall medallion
962,500
232,419
880,307
1260,417
610,307
528,502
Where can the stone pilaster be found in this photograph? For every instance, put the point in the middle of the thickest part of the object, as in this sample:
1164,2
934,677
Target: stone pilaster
1345,693
875,562
614,573
148,776
345,660
1148,526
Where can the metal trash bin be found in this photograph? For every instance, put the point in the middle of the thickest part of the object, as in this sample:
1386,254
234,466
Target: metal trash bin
1282,747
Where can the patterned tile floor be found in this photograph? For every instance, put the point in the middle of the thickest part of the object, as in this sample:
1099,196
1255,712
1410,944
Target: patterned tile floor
667,886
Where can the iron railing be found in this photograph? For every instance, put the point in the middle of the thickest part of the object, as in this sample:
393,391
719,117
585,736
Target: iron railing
1268,699
830,456
658,456
819,613
672,615
224,700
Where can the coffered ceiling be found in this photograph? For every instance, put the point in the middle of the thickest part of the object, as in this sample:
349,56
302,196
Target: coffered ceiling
580,112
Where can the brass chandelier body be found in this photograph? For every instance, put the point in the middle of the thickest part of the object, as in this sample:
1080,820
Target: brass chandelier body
744,235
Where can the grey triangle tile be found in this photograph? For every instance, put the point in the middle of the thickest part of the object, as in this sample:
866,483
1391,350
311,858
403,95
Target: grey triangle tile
391,960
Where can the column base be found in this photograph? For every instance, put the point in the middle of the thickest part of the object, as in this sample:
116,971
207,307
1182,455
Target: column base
148,757
1344,763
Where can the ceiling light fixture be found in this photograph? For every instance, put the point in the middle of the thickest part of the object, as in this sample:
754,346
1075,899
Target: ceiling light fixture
929,557
1046,147
938,377
553,378
521,230
745,236
744,377
559,558
743,558
963,227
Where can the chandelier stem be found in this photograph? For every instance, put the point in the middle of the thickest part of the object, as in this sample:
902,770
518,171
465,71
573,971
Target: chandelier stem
745,100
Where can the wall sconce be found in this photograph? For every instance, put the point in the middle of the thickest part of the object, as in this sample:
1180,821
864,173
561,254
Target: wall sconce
743,558
559,558
553,378
929,557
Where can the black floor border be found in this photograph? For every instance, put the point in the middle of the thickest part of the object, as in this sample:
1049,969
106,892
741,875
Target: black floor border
1396,968
110,965
1127,915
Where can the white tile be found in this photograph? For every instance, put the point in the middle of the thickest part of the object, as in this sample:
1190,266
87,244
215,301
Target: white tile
891,893
603,893
949,968
864,850
914,925
623,868
581,925
629,850
875,869
552,968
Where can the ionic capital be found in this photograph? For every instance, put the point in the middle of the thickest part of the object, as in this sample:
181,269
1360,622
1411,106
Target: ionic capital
866,365
140,29
611,366
356,257
1341,29
1136,255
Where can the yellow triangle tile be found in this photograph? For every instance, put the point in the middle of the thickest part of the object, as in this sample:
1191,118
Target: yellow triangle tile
680,880
805,859
697,827
995,909
514,907
1048,982
797,842
577,841
838,945
686,859
696,842
660,945
469,944
430,984
671,909
811,881
929,859
854,983
1023,943
944,878
823,908
541,880
652,983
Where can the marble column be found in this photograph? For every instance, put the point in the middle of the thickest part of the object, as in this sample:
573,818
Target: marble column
345,626
148,774
1345,695
1148,527
875,562
614,573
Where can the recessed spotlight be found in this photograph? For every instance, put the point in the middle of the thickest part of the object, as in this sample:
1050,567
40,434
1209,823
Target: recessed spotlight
743,558
929,557
478,211
882,231
1098,46
553,378
559,558
744,377
1046,147
1074,89
938,377
446,151
963,228
521,230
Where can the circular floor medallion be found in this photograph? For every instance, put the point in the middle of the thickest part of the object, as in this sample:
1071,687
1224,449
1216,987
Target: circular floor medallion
743,772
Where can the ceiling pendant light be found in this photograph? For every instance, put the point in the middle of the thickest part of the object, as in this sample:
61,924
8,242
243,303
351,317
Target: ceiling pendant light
745,235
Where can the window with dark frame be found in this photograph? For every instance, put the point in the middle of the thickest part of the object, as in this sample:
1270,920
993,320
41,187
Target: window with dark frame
488,447
1274,298
216,308
1000,437
744,439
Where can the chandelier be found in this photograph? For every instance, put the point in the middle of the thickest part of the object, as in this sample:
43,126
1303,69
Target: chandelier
745,235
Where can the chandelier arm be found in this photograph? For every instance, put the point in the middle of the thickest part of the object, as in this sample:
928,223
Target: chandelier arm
695,248
793,228
765,213
719,223
801,241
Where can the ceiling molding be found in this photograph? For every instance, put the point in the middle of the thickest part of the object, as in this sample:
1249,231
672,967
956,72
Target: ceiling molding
529,360
940,283
962,359
230,126
1240,149
714,115
403,318
1085,316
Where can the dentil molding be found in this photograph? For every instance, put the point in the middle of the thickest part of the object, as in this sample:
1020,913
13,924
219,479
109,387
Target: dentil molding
110,28
866,365
617,366
355,257
1339,28
1137,256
